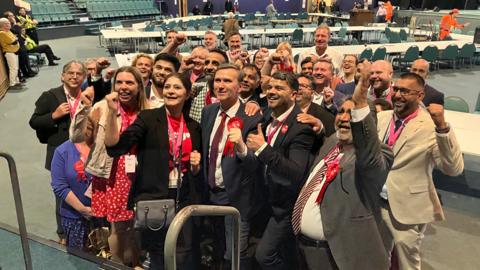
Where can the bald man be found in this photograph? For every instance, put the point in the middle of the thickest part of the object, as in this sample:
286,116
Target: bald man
422,68
381,80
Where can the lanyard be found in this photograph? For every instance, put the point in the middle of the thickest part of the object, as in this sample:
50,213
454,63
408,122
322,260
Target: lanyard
393,135
272,132
73,108
176,139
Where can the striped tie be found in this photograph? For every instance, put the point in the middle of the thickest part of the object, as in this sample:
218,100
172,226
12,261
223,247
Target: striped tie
308,189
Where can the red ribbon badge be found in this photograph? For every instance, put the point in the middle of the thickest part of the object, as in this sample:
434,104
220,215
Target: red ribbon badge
234,122
332,170
284,129
79,167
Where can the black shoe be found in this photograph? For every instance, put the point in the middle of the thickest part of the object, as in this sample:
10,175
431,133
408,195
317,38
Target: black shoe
30,74
15,87
52,64
22,80
56,58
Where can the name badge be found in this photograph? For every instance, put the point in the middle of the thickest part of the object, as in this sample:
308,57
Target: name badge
88,192
130,163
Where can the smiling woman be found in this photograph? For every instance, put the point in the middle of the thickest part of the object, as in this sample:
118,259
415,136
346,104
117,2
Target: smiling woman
167,144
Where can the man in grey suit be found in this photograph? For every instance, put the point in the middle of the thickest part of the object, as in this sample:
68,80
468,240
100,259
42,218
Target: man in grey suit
335,216
232,172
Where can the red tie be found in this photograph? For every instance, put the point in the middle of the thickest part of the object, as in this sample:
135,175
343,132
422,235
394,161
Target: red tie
308,189
212,162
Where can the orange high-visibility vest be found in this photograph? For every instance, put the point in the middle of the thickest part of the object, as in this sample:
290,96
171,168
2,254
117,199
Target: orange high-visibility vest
389,8
447,24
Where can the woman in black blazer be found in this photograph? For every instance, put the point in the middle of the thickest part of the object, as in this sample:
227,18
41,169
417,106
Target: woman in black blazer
156,133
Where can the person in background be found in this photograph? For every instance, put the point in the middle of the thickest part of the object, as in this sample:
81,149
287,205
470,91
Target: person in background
164,64
381,13
9,46
260,57
208,8
23,61
281,60
101,84
210,40
228,6
270,9
194,64
421,67
325,84
32,47
250,86
29,23
448,23
162,159
349,79
196,10
381,80
306,66
111,181
230,27
389,11
71,184
143,62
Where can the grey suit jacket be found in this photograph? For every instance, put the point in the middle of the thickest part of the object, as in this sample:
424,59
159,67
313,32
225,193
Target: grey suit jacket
351,204
241,177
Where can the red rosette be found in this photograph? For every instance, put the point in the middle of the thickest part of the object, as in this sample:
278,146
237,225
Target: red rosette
79,168
332,171
284,129
235,122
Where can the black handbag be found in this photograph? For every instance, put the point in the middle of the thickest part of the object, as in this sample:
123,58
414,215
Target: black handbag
156,215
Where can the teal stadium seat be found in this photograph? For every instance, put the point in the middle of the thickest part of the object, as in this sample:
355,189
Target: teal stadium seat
458,104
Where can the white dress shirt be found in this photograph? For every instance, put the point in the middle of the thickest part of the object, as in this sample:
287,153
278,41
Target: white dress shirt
311,223
155,101
281,118
331,53
231,112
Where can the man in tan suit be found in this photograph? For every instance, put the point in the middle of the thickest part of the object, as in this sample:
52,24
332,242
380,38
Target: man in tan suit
420,139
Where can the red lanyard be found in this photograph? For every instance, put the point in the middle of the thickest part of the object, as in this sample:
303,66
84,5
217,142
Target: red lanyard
272,132
175,139
73,108
393,135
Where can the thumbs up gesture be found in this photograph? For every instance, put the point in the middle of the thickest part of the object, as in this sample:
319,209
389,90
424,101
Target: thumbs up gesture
255,140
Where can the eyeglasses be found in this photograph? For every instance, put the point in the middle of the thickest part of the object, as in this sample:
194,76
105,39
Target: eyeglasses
404,92
304,86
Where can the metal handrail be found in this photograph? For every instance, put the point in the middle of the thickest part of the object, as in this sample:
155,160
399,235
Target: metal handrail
22,228
201,210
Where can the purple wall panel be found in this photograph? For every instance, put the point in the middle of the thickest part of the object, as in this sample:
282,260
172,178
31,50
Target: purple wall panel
250,6
345,5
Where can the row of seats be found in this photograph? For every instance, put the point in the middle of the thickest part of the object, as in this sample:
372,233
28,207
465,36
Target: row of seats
47,12
102,10
83,3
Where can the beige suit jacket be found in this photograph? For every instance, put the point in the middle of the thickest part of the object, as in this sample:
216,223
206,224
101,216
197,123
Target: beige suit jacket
411,192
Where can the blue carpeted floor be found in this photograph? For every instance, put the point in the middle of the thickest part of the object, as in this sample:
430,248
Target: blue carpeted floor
43,257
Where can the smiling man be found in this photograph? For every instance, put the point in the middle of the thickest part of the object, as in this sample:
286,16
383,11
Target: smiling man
164,65
420,139
285,152
324,82
231,170
321,49
381,74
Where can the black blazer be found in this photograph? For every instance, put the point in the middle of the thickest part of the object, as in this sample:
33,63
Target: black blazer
242,178
149,132
432,95
287,163
55,131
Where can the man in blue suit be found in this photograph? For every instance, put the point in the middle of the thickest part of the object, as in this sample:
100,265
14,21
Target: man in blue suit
232,172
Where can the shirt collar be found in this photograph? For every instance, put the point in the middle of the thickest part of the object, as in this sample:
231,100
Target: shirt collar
232,111
284,115
245,100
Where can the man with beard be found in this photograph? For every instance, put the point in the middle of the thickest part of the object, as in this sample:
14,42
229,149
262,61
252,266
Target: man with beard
54,110
321,49
143,62
200,89
334,215
381,80
250,86
432,95
164,65
231,170
420,139
210,40
285,153
324,82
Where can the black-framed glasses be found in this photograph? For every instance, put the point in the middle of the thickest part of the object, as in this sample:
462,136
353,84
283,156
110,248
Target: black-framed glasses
404,91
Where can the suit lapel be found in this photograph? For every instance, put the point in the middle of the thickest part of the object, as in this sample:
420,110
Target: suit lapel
288,123
384,124
326,148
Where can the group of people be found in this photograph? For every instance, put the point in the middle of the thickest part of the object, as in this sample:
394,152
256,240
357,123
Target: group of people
328,160
18,38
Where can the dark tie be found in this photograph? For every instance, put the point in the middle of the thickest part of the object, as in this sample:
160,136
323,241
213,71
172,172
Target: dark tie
212,162
308,189
398,124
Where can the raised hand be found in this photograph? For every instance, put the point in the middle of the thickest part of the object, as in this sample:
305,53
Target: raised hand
309,119
180,39
195,158
255,141
437,114
112,101
62,110
328,94
109,72
87,96
361,89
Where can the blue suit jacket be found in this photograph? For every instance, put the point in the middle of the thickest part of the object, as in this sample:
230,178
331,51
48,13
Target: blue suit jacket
241,177
346,88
